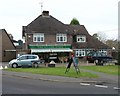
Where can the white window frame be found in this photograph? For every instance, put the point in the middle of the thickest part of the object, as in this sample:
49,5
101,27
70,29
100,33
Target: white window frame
38,37
103,51
80,53
61,37
81,38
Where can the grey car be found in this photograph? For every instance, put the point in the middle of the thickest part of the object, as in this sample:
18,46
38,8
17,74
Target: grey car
25,60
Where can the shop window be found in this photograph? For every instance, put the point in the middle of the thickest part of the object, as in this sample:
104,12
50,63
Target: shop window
39,37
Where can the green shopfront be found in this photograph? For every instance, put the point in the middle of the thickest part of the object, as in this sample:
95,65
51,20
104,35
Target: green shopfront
58,53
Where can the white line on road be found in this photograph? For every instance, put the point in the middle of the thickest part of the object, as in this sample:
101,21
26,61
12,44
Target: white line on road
116,88
101,86
86,84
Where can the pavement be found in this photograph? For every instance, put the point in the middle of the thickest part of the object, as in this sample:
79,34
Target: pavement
103,78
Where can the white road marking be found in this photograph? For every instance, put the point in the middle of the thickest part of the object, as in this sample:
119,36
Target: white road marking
116,88
101,86
86,84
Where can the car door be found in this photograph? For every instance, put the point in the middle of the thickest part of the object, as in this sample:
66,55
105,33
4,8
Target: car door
23,61
30,59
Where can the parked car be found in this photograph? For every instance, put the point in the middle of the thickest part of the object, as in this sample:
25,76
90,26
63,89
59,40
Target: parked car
28,60
98,57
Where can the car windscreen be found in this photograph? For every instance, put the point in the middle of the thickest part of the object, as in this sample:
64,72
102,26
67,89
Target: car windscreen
96,54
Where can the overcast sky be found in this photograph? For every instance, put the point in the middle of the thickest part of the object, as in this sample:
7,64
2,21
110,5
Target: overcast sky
98,16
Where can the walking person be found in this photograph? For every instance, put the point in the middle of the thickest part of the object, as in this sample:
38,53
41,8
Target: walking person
73,60
69,65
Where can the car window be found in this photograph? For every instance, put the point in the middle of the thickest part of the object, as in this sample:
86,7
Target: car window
99,54
103,54
95,54
23,58
32,57
89,54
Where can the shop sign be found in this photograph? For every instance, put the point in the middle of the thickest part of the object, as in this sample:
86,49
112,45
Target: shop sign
49,46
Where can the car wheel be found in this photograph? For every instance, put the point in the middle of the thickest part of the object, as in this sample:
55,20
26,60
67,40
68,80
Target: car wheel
35,65
14,65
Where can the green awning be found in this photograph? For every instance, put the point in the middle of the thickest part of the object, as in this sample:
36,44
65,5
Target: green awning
49,46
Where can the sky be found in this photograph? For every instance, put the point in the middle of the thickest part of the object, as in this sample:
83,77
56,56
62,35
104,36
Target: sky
98,16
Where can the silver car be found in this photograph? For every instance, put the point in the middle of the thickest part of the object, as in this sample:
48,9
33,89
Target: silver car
24,60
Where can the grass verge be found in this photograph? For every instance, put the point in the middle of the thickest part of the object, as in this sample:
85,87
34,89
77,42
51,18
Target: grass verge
57,71
109,69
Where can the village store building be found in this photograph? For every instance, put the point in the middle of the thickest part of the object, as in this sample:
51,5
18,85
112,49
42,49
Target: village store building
51,39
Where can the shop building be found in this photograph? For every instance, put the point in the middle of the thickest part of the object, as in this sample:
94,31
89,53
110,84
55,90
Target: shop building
53,40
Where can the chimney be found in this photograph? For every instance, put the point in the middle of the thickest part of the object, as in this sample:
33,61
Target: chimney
45,13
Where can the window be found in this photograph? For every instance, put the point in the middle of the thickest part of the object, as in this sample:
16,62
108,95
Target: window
103,51
61,38
81,38
39,37
31,57
23,58
80,53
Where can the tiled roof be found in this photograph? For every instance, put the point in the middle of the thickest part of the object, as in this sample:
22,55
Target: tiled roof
10,41
50,25
47,24
91,42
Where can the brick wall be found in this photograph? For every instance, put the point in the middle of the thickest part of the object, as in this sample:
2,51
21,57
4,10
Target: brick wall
49,39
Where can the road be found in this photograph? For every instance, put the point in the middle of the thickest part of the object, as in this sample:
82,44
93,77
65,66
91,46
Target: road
19,85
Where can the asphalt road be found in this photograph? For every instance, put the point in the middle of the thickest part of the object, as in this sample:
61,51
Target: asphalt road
19,85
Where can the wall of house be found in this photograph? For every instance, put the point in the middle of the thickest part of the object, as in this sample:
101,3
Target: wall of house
7,45
48,39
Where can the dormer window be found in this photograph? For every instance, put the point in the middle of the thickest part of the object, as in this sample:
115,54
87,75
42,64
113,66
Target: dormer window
81,38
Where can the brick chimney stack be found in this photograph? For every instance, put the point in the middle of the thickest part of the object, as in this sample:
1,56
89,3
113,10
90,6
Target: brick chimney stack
45,13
